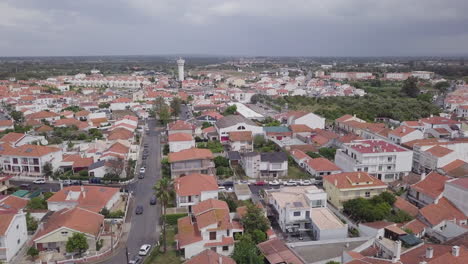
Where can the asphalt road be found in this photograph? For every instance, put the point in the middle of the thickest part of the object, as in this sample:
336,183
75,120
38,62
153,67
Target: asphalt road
145,227
47,187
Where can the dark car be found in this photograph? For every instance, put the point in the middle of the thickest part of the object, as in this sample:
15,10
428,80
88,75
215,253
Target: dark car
141,176
135,260
139,210
153,200
25,186
228,184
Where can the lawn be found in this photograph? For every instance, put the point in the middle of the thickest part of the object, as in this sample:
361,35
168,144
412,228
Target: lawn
295,172
170,257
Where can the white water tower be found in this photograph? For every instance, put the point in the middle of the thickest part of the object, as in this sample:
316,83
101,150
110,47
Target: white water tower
180,65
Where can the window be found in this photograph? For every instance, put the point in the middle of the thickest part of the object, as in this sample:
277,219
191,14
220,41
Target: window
241,128
225,248
19,241
64,233
297,213
366,169
367,194
17,226
212,235
389,167
380,168
389,159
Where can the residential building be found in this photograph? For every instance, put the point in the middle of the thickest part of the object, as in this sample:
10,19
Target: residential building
278,133
345,186
29,159
241,141
341,122
266,164
4,183
193,160
403,134
62,224
210,257
302,118
428,190
90,198
456,191
386,161
13,233
277,252
6,124
440,127
209,116
320,167
233,123
180,126
209,226
180,141
194,188
435,154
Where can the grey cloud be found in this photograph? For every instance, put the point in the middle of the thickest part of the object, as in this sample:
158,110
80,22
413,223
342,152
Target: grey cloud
234,27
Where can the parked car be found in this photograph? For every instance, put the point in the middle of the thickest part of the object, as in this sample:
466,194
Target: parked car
142,170
141,176
290,183
144,250
39,181
228,184
260,183
153,200
135,260
306,182
274,183
221,188
24,186
139,210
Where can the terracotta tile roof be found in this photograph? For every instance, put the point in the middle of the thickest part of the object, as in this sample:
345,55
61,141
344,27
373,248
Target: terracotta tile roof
5,220
30,151
13,202
209,129
77,219
344,118
12,137
194,184
300,128
119,148
92,198
432,185
443,210
83,162
415,225
438,120
33,123
454,165
188,233
82,113
402,131
348,138
6,123
418,255
322,164
210,257
212,114
190,154
122,100
120,133
42,115
406,206
179,137
419,142
462,183
439,151
240,136
180,125
276,251
350,180
378,224
299,154
44,128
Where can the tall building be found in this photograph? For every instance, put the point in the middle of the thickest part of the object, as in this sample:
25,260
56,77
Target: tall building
180,64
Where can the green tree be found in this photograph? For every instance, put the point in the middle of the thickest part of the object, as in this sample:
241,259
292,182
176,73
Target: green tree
313,155
165,193
175,106
231,110
33,252
206,124
332,262
259,141
328,153
31,223
104,105
17,116
77,243
47,169
221,161
258,236
246,252
254,219
164,115
37,203
442,86
410,87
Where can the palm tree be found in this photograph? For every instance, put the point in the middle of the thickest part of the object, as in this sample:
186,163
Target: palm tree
165,193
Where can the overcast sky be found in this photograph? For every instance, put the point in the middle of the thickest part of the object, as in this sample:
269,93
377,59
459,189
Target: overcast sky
234,27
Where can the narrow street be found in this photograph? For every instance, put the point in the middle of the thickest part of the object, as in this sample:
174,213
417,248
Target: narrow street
144,227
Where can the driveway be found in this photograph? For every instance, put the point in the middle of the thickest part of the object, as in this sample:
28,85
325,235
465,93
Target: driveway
145,227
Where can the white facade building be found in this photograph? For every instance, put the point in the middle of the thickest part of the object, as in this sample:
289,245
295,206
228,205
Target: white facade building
13,237
383,160
180,66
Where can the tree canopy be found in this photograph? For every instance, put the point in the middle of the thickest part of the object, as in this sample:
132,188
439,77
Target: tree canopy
77,243
410,87
231,110
246,252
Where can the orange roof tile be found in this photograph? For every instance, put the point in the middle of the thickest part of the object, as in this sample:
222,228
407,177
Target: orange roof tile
443,210
322,164
439,151
179,137
194,184
350,180
190,154
13,202
432,185
210,257
406,206
92,198
240,136
12,137
30,151
300,128
5,220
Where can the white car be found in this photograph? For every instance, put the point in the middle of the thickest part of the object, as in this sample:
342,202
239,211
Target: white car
144,250
290,183
274,183
39,181
306,183
142,170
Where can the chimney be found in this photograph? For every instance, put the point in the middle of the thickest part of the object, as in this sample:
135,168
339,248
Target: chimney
396,251
423,176
336,182
429,252
455,251
423,262
404,130
359,175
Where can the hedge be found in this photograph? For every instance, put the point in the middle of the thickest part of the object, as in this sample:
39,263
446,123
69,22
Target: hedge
172,218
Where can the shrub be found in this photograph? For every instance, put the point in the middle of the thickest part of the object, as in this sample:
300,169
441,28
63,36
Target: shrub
83,173
33,252
116,214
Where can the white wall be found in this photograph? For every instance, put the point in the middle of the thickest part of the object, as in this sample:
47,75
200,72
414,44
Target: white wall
16,235
312,120
177,146
457,195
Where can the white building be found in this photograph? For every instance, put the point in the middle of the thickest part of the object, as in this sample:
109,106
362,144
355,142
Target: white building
13,234
302,118
246,112
268,164
404,134
434,155
456,191
194,188
383,160
180,141
233,123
